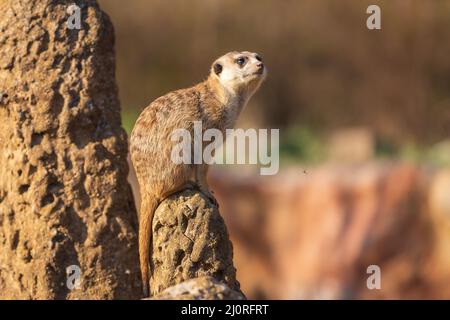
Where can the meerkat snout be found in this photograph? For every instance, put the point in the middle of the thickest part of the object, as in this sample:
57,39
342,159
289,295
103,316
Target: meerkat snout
260,67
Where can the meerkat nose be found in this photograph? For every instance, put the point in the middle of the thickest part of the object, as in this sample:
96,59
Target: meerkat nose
260,65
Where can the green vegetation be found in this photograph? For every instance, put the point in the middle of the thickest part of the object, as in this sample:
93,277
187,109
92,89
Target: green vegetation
129,117
301,144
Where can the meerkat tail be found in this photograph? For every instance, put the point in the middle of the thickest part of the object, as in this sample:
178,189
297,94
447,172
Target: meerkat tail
148,208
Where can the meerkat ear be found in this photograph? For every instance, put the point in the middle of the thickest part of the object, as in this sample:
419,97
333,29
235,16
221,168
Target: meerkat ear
217,68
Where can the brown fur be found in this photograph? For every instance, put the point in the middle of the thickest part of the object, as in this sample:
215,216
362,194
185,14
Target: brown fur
216,102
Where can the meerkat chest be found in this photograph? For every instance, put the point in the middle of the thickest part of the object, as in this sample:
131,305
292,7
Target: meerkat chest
232,112
225,117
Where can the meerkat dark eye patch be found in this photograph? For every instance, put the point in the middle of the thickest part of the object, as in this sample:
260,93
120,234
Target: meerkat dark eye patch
258,57
217,68
241,61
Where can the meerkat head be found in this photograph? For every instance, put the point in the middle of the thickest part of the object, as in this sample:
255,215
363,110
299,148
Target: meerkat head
239,72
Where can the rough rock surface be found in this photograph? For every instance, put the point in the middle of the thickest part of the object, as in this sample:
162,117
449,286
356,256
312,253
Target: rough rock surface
190,240
203,288
64,199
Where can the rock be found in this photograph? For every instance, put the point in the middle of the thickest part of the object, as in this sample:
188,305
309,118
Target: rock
203,288
439,209
64,198
190,240
439,198
313,235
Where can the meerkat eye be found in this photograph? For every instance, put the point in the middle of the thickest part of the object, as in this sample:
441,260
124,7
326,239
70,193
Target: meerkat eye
241,61
217,68
258,57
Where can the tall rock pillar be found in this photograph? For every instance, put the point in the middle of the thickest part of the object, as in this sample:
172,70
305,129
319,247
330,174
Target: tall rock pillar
64,198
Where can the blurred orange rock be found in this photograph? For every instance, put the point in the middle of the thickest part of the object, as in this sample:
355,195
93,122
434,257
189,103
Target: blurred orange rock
312,234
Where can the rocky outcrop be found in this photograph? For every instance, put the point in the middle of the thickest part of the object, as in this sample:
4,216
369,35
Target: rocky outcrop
64,198
190,240
203,288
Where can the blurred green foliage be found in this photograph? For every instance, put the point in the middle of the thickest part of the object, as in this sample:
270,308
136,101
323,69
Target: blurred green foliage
302,144
129,117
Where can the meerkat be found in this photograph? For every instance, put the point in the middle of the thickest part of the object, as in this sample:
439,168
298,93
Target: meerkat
217,102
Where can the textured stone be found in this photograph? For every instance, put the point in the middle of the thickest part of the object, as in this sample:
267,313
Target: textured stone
190,240
64,199
203,288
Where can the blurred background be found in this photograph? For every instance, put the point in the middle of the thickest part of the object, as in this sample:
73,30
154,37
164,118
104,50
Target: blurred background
364,119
